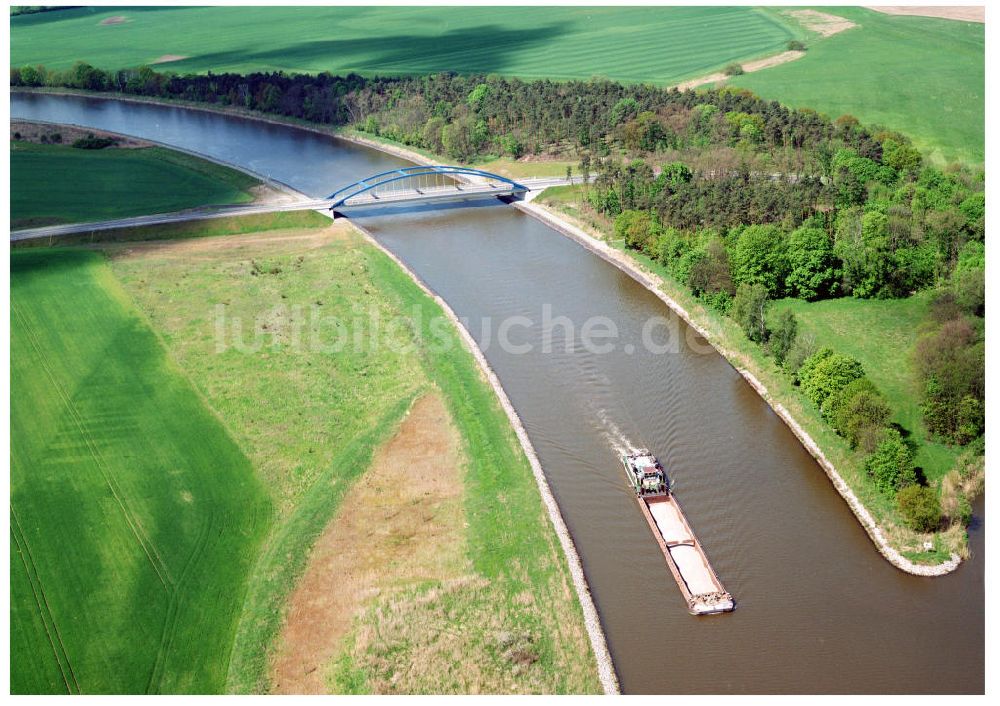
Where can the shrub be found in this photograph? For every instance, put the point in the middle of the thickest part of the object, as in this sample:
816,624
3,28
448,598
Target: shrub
635,228
802,349
749,309
828,374
890,466
796,45
721,301
92,143
733,69
783,335
920,508
858,412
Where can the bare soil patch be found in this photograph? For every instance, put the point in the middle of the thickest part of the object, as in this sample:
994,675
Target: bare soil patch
402,523
821,22
749,67
33,132
968,13
167,58
115,20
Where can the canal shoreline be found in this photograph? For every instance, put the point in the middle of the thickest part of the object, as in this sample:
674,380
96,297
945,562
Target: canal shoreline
598,641
623,262
652,282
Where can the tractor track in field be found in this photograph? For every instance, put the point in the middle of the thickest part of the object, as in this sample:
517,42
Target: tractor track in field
59,651
173,608
135,526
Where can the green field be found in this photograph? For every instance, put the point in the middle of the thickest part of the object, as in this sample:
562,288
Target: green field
60,184
227,472
891,328
660,45
135,517
922,76
310,421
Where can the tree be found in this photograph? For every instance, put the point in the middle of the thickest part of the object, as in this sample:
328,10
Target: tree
749,309
456,140
432,134
705,269
858,412
950,364
478,97
783,335
760,257
865,250
635,228
745,127
32,76
827,372
625,109
890,466
900,156
813,271
803,348
676,174
919,507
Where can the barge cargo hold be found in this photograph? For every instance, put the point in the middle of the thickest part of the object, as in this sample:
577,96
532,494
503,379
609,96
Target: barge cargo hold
686,560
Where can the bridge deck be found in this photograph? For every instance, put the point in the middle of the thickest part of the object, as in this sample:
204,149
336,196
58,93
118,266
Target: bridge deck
452,191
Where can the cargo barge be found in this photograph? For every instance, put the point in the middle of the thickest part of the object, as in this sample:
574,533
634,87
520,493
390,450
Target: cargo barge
698,582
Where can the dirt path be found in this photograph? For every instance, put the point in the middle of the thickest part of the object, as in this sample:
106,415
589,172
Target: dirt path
820,22
969,13
749,67
401,523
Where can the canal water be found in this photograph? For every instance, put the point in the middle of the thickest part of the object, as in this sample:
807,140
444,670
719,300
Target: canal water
818,610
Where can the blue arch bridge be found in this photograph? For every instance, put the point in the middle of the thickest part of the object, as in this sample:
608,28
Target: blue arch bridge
420,183
430,183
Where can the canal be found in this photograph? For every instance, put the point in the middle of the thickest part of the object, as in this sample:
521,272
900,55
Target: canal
818,610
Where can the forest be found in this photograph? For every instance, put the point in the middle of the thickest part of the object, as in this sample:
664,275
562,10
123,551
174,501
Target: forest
745,201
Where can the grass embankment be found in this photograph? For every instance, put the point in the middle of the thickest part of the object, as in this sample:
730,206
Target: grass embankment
311,420
60,184
627,43
135,517
885,350
922,76
838,323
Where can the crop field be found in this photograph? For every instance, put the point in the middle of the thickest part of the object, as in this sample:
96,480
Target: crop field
311,421
922,76
135,517
60,184
659,45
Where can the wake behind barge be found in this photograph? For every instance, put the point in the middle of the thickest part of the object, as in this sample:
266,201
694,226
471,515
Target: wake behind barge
686,559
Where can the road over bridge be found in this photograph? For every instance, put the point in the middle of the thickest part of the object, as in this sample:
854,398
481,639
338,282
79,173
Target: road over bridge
414,186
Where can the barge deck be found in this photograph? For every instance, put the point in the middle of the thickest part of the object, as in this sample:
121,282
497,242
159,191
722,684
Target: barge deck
697,580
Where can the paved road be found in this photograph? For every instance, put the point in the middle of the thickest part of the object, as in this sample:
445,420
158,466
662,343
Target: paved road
534,184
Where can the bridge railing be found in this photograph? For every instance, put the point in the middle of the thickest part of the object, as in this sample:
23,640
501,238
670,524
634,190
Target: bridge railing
369,184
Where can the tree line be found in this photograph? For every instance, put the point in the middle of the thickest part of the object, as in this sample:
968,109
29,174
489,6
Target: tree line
741,199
